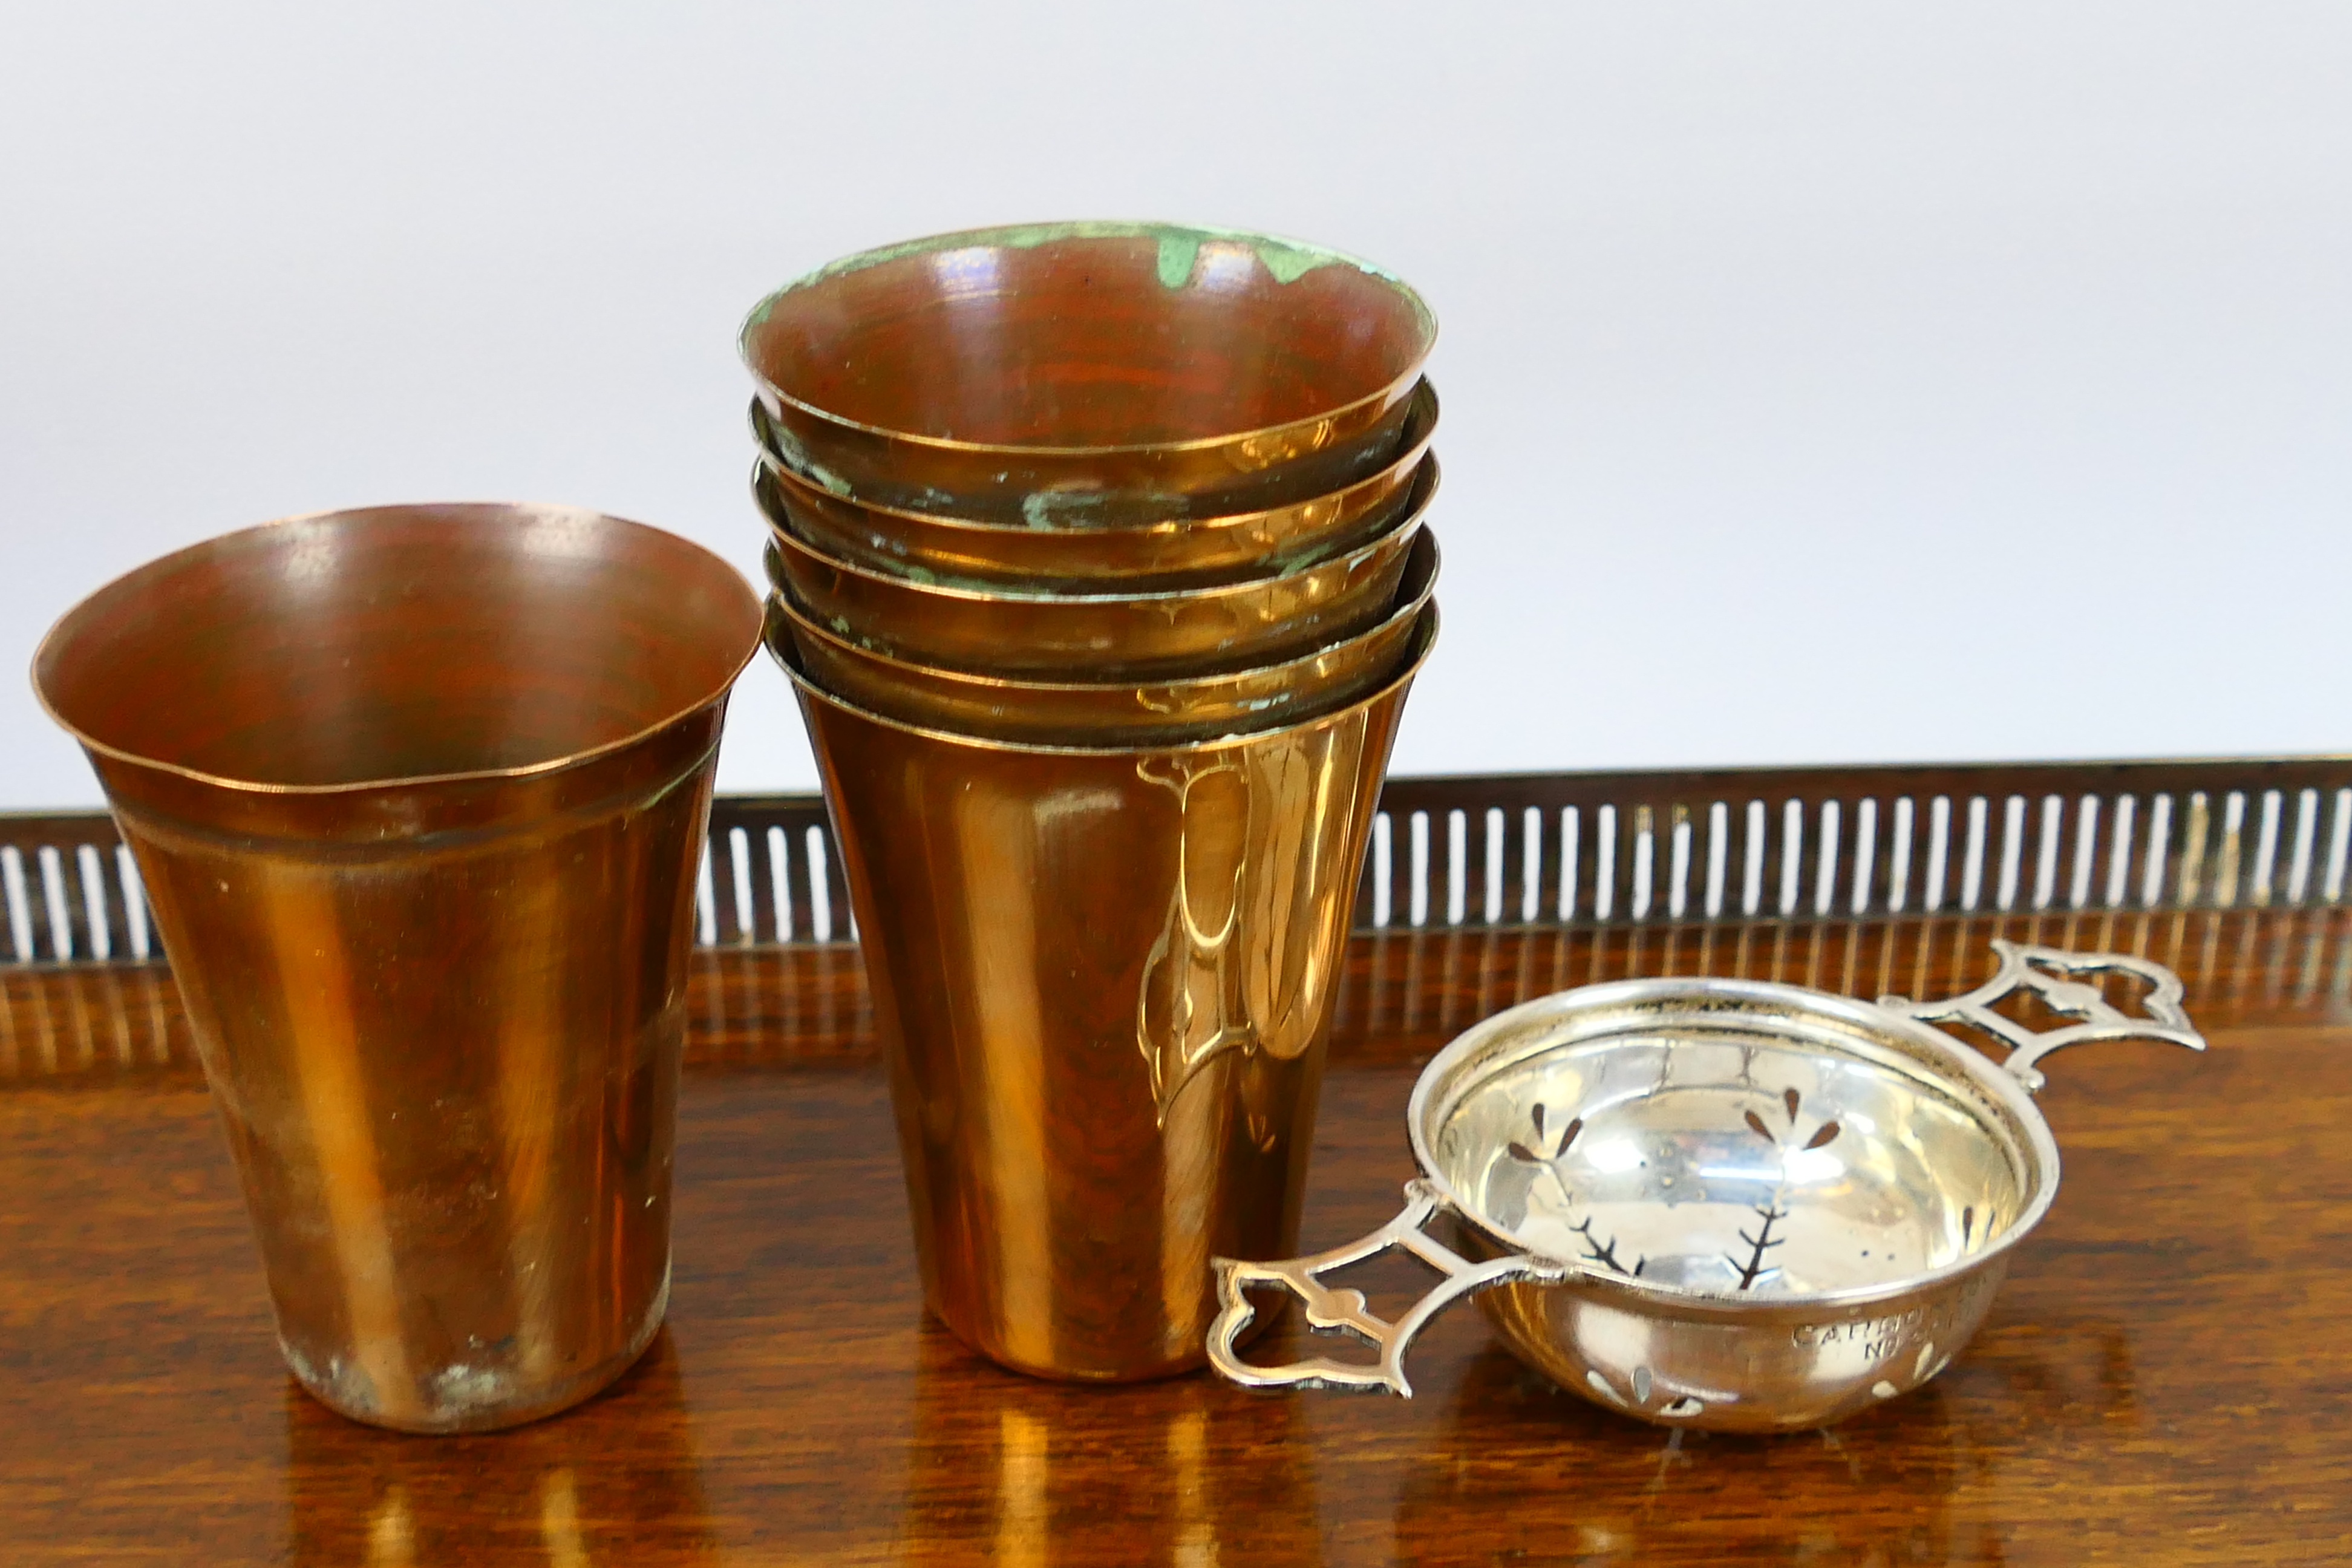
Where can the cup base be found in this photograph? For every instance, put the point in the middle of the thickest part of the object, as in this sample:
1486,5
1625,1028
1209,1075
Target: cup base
474,1401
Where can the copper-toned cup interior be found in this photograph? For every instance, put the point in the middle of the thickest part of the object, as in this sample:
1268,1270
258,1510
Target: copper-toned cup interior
1088,335
400,642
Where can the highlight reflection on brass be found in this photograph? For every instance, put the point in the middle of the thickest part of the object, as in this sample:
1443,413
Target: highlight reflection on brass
1174,633
1084,374
417,793
1103,980
1171,711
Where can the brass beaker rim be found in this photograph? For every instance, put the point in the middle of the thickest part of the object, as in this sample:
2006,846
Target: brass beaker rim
724,624
1420,429
1424,639
1279,255
1393,534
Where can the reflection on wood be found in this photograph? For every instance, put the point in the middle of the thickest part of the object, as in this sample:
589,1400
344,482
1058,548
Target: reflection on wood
2176,1392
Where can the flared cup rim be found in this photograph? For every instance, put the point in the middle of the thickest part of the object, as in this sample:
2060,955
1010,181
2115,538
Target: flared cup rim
1055,231
49,640
1395,536
1398,472
1424,640
1020,686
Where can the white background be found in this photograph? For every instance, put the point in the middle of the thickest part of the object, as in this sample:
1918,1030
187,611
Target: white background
1822,381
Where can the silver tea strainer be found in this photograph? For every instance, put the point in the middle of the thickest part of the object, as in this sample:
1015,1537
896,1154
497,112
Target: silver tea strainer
1720,1203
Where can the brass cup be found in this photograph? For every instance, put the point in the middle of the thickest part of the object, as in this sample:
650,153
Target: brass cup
1175,632
1136,558
417,795
1111,713
1104,372
1103,981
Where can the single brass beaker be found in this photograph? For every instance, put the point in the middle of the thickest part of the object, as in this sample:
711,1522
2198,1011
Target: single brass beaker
1088,374
417,793
1103,981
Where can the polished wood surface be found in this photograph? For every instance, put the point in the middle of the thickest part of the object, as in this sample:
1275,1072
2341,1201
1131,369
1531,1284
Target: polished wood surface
2166,1378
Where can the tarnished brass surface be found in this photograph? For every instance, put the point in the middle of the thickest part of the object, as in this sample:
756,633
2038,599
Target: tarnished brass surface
1136,558
1102,373
1103,982
1177,632
417,793
1113,714
1173,710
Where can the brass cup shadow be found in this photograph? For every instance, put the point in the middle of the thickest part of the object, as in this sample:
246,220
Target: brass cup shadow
1136,558
1176,632
1099,373
417,796
1112,713
1103,981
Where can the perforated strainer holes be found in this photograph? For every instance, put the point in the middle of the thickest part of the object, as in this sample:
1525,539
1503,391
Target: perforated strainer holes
1756,1265
1603,1250
1568,1136
1825,1134
1644,1384
1597,1248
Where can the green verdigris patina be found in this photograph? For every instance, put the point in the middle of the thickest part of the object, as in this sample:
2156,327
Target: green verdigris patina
1177,253
1286,260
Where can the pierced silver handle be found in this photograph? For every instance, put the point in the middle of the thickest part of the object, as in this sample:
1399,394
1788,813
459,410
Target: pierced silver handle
1344,1310
2166,1020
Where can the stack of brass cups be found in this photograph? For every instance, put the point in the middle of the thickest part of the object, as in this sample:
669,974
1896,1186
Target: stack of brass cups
1098,560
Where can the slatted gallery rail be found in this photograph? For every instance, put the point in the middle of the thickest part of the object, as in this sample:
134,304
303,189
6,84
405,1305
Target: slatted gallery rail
1575,849
1745,844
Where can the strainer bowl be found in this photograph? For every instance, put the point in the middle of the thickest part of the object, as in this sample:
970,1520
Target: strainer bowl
1721,1204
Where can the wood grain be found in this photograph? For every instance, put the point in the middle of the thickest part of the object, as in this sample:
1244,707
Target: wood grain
2166,1378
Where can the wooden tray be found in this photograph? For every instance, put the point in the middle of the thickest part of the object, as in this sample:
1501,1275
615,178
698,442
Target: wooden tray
2167,1378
